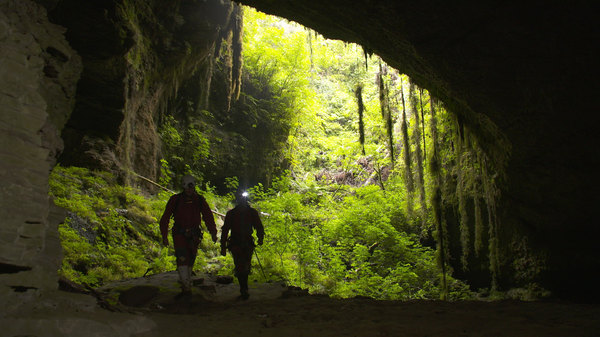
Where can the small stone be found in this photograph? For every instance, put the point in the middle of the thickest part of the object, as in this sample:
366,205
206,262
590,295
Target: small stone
221,279
138,296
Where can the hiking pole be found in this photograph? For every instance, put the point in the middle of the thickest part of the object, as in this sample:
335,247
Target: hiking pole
260,265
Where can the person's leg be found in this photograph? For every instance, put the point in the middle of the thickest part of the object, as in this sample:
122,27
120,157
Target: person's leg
184,278
192,254
242,258
182,255
240,272
247,269
243,280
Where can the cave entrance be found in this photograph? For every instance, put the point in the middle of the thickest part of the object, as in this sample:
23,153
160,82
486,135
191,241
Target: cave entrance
358,171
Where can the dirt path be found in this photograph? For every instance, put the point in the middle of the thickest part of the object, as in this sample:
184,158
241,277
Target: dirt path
324,317
275,310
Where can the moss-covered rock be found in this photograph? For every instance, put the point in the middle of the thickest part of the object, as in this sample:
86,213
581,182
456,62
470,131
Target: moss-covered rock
136,55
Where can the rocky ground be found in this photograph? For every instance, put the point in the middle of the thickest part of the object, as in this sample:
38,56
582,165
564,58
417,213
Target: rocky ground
149,306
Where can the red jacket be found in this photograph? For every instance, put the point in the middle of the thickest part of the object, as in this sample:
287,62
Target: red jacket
189,211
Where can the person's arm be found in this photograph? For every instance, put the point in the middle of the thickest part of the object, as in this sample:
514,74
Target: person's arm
165,219
209,219
225,233
260,230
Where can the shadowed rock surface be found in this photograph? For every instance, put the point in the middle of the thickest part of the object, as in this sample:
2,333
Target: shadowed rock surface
153,308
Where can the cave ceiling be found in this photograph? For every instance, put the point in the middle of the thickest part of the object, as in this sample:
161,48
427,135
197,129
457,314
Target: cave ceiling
510,61
525,66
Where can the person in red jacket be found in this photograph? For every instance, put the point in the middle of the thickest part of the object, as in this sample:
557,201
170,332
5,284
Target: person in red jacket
241,221
187,208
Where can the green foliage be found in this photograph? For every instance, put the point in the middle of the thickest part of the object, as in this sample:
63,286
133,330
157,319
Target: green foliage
186,148
354,247
350,248
111,232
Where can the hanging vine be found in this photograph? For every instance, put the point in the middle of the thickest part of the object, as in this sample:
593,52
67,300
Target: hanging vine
440,233
406,144
491,194
367,52
309,38
462,170
236,42
408,178
418,153
231,47
386,114
474,183
474,195
361,122
423,122
479,229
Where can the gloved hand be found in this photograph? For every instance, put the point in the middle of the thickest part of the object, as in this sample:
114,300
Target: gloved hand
223,251
165,242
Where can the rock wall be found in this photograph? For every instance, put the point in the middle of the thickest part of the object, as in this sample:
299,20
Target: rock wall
136,55
100,81
38,76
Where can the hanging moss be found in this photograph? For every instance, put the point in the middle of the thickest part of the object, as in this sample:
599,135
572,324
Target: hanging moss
479,228
368,52
423,122
229,49
390,132
309,41
386,111
407,160
479,224
441,234
434,161
408,175
205,94
381,88
361,122
490,193
474,182
462,194
418,153
236,69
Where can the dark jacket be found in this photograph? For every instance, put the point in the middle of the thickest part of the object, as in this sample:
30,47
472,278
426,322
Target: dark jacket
241,221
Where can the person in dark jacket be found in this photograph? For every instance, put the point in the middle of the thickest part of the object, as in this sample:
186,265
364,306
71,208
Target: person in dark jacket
187,208
241,221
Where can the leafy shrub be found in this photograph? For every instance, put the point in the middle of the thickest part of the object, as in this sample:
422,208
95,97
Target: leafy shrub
345,249
111,231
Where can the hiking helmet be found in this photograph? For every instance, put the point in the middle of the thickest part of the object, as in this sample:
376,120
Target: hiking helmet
187,180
